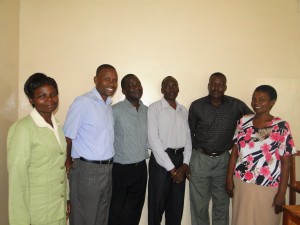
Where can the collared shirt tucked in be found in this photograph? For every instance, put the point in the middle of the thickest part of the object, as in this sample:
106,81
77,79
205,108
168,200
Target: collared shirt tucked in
89,123
130,126
212,127
168,128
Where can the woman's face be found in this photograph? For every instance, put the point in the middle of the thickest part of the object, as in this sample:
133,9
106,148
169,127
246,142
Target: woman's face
45,100
261,102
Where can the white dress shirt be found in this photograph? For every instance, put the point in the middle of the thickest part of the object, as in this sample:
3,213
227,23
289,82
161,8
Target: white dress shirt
168,128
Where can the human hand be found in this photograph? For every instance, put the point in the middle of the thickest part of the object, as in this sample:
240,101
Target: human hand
173,173
188,173
229,186
68,209
279,201
68,165
181,173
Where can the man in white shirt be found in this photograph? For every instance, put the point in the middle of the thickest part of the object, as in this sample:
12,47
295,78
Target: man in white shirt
170,141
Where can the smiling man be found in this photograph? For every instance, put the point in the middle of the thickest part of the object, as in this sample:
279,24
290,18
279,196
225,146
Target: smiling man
131,146
170,143
212,121
90,137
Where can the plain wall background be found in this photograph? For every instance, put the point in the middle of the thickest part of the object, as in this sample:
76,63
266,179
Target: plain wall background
251,42
9,70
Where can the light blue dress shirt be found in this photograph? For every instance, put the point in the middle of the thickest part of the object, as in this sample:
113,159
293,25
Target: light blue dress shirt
89,123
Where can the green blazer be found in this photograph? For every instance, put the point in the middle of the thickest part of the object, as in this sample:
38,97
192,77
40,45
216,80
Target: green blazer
36,172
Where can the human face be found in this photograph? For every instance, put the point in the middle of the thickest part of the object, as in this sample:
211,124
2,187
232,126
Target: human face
217,87
133,89
106,82
261,102
170,89
45,100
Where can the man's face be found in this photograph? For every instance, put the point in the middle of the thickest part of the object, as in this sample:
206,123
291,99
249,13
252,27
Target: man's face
217,87
133,89
170,89
106,82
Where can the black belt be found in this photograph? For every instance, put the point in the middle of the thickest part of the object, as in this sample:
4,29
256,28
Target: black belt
210,153
132,164
110,161
174,150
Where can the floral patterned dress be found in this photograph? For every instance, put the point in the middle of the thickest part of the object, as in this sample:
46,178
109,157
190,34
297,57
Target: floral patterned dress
259,150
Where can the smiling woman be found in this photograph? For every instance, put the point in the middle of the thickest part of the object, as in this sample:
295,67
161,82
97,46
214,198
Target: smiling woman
36,159
259,163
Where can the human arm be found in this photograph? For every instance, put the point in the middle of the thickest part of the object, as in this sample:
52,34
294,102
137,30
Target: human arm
279,198
184,171
69,160
192,120
18,160
157,146
72,125
68,165
229,186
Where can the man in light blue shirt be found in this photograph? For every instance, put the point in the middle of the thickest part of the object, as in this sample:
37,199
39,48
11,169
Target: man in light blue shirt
130,169
89,134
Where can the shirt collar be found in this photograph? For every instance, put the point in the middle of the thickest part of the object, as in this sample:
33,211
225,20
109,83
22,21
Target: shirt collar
98,97
128,103
207,99
40,121
166,104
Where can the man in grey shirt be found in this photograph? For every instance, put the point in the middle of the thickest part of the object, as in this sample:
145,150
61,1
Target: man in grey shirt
129,173
212,121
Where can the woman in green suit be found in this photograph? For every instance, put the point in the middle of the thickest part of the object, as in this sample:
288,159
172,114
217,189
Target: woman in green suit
36,159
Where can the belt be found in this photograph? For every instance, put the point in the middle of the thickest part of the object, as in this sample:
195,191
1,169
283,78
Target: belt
174,150
210,153
110,161
132,164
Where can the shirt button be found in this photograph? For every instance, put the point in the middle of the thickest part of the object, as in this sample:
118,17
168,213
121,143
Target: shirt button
62,167
62,196
61,153
62,182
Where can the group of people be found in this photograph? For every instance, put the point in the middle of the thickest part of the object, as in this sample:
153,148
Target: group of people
102,150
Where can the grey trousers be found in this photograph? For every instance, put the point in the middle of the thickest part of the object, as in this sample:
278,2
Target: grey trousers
90,193
208,177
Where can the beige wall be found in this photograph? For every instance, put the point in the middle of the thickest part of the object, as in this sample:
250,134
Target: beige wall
9,69
252,42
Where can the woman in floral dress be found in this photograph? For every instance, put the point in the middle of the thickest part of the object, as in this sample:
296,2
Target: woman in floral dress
258,170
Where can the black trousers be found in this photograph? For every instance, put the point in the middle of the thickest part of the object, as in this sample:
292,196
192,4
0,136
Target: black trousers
165,196
129,184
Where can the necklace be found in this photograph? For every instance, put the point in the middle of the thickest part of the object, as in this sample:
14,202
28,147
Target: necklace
263,133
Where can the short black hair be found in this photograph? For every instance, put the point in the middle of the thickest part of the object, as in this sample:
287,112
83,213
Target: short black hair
269,90
218,74
104,66
168,77
125,78
37,80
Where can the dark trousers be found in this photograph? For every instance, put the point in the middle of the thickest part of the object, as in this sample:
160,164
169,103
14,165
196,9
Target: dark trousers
163,194
128,193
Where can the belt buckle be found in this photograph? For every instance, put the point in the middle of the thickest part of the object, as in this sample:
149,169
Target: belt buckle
176,150
214,154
